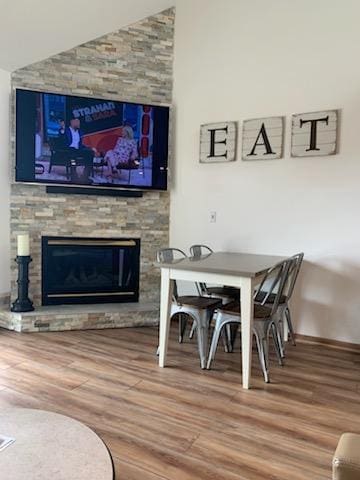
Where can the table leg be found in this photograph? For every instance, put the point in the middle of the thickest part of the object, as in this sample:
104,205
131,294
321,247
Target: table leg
202,337
165,309
247,312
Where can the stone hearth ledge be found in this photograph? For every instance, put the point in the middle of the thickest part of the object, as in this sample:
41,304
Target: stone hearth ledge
81,317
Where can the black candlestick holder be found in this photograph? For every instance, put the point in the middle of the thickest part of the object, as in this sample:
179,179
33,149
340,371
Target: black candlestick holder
23,302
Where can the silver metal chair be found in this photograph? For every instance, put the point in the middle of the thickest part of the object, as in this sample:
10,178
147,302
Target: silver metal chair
227,294
169,255
199,309
199,249
284,308
297,262
264,318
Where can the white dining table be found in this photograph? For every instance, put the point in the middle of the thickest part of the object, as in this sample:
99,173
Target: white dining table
240,270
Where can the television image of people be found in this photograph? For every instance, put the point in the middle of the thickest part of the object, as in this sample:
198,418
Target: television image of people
64,139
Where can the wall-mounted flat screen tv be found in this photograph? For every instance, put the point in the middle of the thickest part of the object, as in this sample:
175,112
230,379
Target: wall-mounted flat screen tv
70,140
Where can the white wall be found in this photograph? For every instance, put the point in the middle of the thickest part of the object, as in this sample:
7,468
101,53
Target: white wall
32,32
244,59
4,183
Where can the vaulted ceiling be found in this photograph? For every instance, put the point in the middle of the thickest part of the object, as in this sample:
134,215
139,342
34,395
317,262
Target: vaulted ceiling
31,30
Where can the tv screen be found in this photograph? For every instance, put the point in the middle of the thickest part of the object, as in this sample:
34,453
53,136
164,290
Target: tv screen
69,140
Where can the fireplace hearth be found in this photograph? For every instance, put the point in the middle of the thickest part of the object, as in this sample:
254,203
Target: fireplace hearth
78,270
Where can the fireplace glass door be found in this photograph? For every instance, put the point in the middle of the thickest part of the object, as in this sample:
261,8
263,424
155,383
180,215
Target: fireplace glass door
90,270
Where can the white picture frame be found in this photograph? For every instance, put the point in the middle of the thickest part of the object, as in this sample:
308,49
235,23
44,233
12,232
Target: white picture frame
218,142
263,139
314,134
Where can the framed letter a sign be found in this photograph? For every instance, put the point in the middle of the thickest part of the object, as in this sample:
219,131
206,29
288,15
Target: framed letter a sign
218,142
263,138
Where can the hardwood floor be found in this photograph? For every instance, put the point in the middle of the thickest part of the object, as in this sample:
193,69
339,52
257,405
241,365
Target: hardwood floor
183,423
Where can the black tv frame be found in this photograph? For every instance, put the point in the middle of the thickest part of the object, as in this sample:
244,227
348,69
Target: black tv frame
105,189
93,191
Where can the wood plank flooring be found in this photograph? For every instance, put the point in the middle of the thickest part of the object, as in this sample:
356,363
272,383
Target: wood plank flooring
181,423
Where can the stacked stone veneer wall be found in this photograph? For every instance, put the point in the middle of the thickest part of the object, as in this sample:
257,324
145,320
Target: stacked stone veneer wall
134,64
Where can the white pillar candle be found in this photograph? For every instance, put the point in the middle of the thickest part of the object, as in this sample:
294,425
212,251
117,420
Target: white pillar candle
23,245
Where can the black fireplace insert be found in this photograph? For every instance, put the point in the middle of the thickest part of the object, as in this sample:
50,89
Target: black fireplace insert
90,270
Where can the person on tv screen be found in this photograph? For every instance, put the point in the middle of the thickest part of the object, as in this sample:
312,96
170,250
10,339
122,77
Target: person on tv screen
74,135
124,154
61,139
73,142
62,126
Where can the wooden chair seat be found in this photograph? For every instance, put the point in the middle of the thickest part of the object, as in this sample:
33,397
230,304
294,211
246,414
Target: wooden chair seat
234,308
201,303
231,292
271,299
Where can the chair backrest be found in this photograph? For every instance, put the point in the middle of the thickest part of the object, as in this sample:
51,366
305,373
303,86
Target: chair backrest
275,278
198,250
293,272
166,255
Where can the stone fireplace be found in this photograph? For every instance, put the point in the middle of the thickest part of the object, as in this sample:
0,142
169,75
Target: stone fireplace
83,218
132,64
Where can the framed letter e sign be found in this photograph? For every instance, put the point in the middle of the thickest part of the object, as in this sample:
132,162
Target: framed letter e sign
218,142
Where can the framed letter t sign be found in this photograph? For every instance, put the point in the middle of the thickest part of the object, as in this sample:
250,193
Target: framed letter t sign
314,134
218,142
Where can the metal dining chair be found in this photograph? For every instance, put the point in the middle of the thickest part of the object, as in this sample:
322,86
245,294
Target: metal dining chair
227,294
199,309
264,318
284,308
